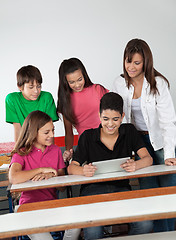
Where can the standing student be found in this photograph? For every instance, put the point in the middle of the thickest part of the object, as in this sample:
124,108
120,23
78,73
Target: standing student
35,158
78,100
148,105
30,98
109,141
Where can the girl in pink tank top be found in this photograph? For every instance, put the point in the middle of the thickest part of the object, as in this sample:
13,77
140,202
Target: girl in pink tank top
78,101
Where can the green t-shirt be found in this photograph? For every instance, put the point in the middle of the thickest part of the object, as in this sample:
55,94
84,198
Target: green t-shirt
18,108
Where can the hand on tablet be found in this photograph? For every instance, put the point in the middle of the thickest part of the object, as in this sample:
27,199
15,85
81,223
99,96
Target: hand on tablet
170,161
129,165
89,170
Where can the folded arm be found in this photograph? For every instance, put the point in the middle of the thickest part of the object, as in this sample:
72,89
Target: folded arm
17,175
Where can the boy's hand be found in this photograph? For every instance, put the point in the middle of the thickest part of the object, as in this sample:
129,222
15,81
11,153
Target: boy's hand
67,155
49,170
89,170
170,161
129,165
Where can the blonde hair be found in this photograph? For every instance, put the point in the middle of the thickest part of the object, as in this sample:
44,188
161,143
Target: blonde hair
33,122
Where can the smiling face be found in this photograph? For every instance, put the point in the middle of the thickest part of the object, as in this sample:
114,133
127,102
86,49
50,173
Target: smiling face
76,80
110,121
31,90
45,136
134,67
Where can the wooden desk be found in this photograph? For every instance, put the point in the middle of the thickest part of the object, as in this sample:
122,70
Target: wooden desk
99,198
4,160
91,214
69,180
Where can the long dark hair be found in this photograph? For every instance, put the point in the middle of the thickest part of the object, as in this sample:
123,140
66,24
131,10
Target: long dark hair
28,134
63,102
141,47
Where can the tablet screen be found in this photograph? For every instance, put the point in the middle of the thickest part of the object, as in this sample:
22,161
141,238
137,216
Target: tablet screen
112,165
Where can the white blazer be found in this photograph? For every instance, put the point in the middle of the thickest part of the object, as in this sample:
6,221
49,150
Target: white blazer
158,112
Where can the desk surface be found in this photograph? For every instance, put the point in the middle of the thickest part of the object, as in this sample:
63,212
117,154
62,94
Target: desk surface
97,198
87,215
68,180
4,164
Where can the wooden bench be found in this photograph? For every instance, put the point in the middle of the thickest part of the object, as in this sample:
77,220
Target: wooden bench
90,211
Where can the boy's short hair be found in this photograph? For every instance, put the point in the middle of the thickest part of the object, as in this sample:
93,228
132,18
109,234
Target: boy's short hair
28,74
112,101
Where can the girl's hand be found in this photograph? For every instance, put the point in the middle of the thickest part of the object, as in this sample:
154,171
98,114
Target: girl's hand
170,161
49,170
67,155
129,165
42,176
89,170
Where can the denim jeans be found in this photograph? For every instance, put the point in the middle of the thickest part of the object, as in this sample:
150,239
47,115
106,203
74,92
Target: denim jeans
158,181
97,232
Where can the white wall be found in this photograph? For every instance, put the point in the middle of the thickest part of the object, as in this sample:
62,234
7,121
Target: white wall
44,32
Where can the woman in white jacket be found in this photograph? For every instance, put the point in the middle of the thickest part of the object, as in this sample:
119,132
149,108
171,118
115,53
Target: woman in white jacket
148,105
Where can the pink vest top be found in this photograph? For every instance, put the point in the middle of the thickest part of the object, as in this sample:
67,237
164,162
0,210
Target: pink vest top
85,106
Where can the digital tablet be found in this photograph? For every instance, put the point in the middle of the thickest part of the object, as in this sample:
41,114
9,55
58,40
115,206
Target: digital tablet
112,165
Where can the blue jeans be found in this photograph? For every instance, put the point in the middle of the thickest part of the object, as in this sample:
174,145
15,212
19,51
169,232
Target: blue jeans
101,188
158,181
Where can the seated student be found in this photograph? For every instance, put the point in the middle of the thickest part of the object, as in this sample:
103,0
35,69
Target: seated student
30,98
35,158
111,140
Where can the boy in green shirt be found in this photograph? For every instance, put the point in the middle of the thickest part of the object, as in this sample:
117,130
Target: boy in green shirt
30,98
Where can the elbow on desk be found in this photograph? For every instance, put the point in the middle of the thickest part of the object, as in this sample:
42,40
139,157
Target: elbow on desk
13,179
69,170
74,169
151,161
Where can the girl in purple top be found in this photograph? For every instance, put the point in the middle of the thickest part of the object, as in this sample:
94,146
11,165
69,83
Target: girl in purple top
78,100
35,158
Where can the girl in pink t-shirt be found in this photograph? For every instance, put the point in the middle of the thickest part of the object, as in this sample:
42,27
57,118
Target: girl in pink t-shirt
35,158
78,100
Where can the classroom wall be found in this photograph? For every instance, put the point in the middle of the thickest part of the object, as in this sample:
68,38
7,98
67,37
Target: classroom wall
43,33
